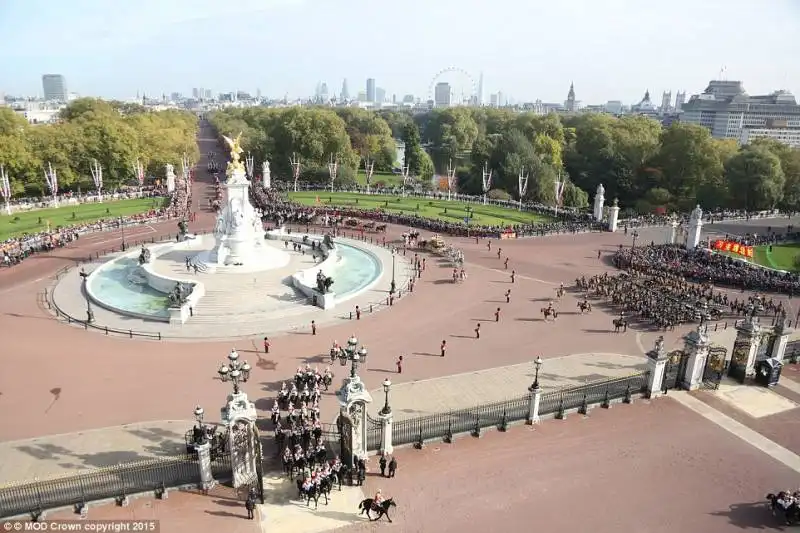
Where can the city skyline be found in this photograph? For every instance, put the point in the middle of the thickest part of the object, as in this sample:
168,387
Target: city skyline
165,48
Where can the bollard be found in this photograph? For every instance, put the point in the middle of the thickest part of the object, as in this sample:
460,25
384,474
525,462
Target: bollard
130,333
370,308
159,335
726,324
351,315
106,328
86,325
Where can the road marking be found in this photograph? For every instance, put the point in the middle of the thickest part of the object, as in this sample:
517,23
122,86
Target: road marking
753,438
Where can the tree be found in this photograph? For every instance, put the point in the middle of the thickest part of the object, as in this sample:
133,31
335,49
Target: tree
92,129
370,136
688,164
413,149
756,175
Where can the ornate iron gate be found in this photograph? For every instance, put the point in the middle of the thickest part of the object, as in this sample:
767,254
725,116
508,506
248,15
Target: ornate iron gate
259,456
741,351
715,367
345,426
374,433
675,371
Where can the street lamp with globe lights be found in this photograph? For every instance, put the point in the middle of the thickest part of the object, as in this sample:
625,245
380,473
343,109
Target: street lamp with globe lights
352,353
234,371
387,386
200,430
538,364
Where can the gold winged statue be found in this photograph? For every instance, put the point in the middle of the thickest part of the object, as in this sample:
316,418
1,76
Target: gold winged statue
235,146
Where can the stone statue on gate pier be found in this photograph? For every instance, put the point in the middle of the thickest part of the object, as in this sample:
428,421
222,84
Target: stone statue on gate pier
144,256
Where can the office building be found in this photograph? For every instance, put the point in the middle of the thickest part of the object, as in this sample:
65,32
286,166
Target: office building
778,130
493,100
55,88
441,95
380,95
209,95
614,107
324,95
479,96
726,110
370,89
345,94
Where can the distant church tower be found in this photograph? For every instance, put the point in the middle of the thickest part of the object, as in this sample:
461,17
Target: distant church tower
569,105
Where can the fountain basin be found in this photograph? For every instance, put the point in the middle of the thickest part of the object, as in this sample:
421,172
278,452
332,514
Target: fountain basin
123,286
353,270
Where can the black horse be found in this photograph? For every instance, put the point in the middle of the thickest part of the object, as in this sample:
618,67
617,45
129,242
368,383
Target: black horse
791,514
620,323
382,509
312,494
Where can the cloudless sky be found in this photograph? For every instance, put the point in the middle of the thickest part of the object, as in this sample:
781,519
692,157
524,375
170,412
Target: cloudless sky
529,49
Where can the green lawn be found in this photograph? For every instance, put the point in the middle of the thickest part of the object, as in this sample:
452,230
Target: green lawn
487,215
391,180
781,257
35,221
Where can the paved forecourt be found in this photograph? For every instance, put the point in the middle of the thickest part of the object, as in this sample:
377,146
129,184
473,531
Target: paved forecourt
242,305
459,391
653,464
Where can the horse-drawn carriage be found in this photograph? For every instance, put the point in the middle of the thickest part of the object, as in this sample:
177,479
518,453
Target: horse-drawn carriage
351,222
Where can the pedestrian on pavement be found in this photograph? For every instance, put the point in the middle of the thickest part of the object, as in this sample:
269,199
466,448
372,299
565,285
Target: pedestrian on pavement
497,315
499,251
399,365
489,245
358,313
313,328
266,344
250,504
598,254
444,347
506,263
392,467
478,331
382,465
513,275
508,296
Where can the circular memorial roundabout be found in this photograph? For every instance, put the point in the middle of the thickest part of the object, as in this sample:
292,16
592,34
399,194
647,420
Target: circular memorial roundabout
79,399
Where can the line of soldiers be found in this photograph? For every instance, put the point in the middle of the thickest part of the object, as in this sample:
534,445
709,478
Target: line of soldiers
663,301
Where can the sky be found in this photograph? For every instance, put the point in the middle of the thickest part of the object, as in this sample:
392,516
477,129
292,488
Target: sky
528,49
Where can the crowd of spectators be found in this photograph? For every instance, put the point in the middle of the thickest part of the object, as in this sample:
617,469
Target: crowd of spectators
16,249
703,266
275,206
76,198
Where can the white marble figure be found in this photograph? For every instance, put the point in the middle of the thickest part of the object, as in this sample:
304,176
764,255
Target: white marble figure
599,203
170,178
695,228
266,178
239,232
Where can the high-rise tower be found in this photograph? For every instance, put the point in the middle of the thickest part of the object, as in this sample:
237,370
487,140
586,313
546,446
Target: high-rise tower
345,91
480,90
370,89
569,105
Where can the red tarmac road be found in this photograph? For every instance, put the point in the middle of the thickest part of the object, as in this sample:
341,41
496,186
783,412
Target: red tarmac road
648,467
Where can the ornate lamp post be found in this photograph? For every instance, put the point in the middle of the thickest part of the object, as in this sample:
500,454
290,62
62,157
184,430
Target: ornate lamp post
538,364
351,352
89,314
387,386
393,285
201,435
234,371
